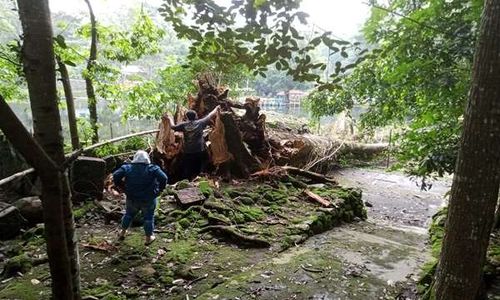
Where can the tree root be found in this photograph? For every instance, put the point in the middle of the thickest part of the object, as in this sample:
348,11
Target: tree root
237,237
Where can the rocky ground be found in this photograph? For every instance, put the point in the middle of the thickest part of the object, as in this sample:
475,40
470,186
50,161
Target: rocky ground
374,259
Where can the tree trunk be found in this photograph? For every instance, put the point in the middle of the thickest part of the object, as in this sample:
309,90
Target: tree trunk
91,98
475,185
70,103
39,68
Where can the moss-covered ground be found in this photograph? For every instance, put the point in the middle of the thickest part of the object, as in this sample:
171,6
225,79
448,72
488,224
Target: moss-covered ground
188,260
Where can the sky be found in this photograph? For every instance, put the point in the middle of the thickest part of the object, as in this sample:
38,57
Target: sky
343,17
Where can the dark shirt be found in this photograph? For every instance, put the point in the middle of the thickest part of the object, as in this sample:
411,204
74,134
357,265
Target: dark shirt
143,182
193,134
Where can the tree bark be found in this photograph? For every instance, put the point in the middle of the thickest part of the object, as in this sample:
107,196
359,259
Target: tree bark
476,182
91,98
70,103
40,72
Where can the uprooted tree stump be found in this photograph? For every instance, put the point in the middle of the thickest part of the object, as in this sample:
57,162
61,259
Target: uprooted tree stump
248,145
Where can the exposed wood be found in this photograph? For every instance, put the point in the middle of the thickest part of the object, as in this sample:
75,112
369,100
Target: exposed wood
70,157
16,176
244,162
318,178
317,198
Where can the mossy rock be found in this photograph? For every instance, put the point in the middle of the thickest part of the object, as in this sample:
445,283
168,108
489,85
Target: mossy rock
17,264
185,222
184,184
37,231
245,200
83,210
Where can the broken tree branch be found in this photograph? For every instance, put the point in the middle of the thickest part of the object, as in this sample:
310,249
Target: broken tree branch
319,178
22,140
73,155
317,198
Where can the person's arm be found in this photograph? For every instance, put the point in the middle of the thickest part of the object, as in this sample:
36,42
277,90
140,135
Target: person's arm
208,117
178,127
118,176
162,178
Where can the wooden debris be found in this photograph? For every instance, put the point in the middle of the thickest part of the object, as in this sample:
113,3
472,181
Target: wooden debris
317,198
165,139
219,152
316,177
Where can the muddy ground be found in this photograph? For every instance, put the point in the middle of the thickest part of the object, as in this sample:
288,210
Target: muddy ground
374,259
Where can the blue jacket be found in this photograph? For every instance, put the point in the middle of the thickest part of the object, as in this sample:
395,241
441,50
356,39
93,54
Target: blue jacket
143,182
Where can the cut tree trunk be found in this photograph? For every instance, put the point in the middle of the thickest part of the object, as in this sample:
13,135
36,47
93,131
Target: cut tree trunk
70,103
474,191
89,85
244,163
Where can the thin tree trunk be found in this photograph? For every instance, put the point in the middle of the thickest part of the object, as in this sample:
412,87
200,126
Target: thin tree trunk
92,100
70,103
39,69
476,182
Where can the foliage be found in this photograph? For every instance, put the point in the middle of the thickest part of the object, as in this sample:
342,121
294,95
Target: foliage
11,79
417,79
151,98
127,45
269,36
275,81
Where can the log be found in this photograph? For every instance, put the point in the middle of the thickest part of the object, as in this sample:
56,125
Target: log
70,157
317,198
316,177
237,237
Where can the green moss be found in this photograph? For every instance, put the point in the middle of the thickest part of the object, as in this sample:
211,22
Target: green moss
252,213
21,263
184,184
205,188
23,286
83,210
246,200
181,251
185,223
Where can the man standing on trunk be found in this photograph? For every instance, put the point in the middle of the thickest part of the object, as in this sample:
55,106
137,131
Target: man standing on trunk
195,154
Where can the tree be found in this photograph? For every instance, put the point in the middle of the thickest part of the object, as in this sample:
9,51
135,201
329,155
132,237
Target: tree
474,191
70,103
268,37
46,154
418,83
91,98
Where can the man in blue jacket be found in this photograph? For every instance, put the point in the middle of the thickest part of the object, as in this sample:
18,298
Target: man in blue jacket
143,184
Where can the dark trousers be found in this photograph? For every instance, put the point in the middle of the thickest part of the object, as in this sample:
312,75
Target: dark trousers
193,164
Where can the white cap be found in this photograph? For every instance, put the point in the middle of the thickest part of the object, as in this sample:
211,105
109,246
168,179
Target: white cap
141,157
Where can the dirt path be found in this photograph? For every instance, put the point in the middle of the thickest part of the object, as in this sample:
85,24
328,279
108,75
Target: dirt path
377,259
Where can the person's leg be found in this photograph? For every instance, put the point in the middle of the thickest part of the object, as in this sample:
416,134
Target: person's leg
196,165
148,210
130,213
186,166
